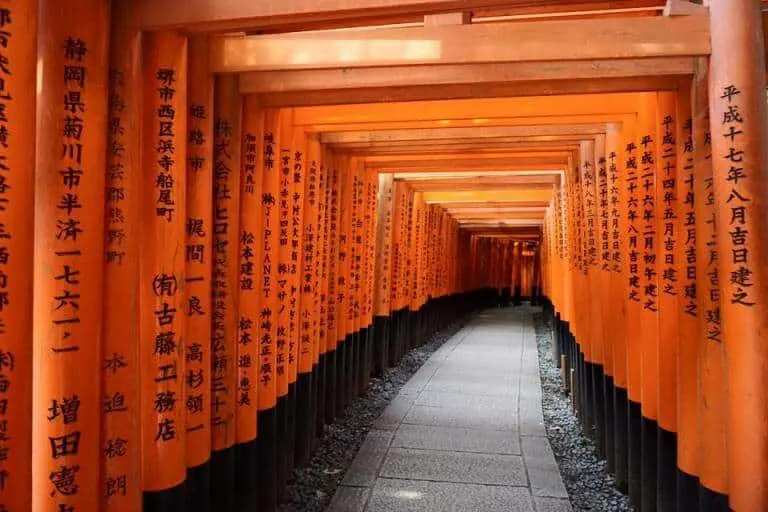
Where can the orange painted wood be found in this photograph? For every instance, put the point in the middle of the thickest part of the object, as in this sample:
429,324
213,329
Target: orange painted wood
162,265
226,236
121,433
650,210
712,399
199,258
17,155
668,231
738,113
268,169
308,286
689,313
68,260
250,257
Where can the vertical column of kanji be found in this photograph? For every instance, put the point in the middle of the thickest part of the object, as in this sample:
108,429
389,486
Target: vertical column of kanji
687,307
712,392
358,267
18,21
342,282
588,328
607,327
267,171
227,128
69,235
321,292
740,173
121,463
353,283
308,288
615,356
198,257
668,229
648,122
394,338
414,246
282,313
383,277
368,225
162,285
332,248
249,303
300,328
631,217
371,223
604,339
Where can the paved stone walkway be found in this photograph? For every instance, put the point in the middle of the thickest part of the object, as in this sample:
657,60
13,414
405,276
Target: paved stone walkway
466,433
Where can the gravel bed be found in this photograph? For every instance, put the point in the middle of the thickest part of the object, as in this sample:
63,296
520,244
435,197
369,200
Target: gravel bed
585,475
311,487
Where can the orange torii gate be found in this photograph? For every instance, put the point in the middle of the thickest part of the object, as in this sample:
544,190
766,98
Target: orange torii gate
219,243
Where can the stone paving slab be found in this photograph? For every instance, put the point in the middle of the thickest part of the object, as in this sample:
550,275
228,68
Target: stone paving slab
466,433
425,437
390,495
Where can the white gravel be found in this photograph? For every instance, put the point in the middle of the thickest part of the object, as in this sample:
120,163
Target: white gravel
585,475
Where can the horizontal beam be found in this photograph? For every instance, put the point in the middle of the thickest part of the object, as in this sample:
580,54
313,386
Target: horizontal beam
444,134
464,146
622,38
445,197
475,122
404,76
470,163
471,90
234,15
543,154
476,111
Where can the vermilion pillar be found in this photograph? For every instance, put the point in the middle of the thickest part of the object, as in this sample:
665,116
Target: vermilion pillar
17,163
249,278
121,456
198,257
712,443
740,173
162,269
71,141
227,130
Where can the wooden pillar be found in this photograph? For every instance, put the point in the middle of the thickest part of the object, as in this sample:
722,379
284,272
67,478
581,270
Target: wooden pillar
383,271
121,456
667,238
199,257
712,444
68,264
688,310
268,169
249,304
17,162
226,236
740,172
332,329
162,284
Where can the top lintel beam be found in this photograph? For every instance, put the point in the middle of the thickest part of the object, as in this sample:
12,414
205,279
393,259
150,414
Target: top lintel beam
623,38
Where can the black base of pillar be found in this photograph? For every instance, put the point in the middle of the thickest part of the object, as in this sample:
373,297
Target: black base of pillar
167,500
246,475
609,425
634,420
648,433
598,408
332,359
712,501
304,420
223,479
666,471
282,446
290,431
322,369
198,488
267,463
687,491
381,327
314,436
621,410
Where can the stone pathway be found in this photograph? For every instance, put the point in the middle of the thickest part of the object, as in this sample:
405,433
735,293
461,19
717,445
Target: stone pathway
466,433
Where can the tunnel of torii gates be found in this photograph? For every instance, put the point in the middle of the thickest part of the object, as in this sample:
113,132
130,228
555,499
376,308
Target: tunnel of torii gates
218,220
